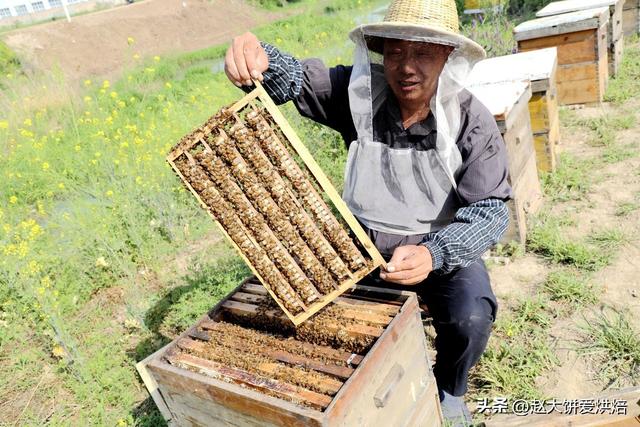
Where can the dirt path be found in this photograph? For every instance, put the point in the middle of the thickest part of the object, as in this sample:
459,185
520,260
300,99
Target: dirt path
615,183
102,43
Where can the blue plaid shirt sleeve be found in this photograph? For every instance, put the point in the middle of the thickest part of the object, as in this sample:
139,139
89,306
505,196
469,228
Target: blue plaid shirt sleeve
283,78
475,228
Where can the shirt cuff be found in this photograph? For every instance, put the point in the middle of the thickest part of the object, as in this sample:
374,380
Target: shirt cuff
437,256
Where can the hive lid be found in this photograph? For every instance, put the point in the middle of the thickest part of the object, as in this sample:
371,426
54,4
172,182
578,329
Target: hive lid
501,98
536,66
562,24
565,6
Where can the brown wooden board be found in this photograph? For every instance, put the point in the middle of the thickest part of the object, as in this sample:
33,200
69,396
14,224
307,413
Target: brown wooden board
249,170
391,382
527,200
631,21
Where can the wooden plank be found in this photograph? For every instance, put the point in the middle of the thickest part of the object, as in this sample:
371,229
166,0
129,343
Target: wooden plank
350,359
573,48
249,298
562,24
527,200
320,176
241,345
537,66
579,92
575,72
152,385
630,22
615,56
519,142
354,330
222,400
501,99
264,384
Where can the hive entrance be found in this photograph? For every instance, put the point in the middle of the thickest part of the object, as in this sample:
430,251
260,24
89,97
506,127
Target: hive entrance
242,167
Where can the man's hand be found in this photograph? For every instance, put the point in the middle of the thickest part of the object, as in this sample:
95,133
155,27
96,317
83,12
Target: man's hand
409,265
245,60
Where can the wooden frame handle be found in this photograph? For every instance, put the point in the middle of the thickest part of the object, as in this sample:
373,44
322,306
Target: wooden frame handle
383,394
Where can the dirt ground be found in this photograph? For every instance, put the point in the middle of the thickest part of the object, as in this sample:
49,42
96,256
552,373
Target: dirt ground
102,43
617,283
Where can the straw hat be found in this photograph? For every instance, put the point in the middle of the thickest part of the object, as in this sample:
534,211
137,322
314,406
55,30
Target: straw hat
433,21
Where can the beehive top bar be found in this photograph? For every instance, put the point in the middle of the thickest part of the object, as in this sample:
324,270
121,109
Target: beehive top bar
561,24
536,66
253,175
558,7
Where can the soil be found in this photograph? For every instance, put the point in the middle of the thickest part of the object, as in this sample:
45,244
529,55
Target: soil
618,283
99,44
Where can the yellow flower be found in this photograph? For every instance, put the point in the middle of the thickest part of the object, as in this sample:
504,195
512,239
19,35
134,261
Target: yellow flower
130,41
136,56
77,148
87,82
61,186
28,122
105,84
168,85
109,193
101,262
45,166
4,124
87,99
58,351
45,282
122,422
156,58
114,95
13,200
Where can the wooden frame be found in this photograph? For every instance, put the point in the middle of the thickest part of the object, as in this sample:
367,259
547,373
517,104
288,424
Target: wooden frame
392,381
248,103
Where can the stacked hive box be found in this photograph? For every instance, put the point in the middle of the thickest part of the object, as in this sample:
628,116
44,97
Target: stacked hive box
631,17
508,102
242,165
615,34
362,361
581,39
539,67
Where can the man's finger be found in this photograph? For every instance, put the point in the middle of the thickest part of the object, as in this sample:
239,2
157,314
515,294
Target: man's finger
241,64
403,275
230,67
404,259
251,53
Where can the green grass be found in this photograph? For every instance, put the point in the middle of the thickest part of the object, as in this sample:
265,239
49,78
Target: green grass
610,339
518,353
92,217
604,128
626,84
571,180
608,240
626,208
571,287
9,62
548,239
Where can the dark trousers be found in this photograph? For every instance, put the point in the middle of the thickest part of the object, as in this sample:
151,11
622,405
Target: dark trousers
463,308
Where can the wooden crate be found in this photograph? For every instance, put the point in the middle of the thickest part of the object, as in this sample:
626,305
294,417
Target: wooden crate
389,382
509,102
539,67
581,39
614,28
631,17
250,171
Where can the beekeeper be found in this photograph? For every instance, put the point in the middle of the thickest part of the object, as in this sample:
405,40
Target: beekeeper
426,172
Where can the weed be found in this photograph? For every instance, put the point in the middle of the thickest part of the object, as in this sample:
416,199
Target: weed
511,250
608,240
626,84
616,153
547,239
611,340
625,208
9,62
571,180
570,286
604,128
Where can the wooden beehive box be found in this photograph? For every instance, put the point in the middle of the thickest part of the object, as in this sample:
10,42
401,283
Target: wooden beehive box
250,171
228,370
508,102
581,39
631,17
539,67
614,29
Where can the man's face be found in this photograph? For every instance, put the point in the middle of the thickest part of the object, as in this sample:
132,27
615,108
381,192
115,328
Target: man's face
412,69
